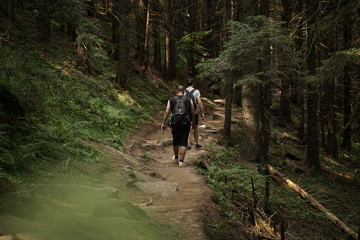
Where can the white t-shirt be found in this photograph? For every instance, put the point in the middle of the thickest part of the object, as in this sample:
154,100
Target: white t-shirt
196,93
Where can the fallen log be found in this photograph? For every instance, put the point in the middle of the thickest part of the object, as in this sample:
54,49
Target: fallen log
277,176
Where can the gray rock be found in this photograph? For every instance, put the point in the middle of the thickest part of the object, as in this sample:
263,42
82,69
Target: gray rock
157,187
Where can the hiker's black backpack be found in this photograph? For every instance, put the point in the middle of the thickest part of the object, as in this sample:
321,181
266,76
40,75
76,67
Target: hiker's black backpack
180,114
189,94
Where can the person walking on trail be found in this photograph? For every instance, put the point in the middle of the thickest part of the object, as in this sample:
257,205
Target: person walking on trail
194,94
182,116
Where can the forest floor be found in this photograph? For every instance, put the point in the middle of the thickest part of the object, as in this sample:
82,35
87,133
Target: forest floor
87,201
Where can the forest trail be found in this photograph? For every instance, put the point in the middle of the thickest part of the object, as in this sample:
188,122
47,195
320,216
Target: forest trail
183,208
106,206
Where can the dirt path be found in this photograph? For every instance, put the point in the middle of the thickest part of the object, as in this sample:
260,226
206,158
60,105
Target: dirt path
96,201
183,208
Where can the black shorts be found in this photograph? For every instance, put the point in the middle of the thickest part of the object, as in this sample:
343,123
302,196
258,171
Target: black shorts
180,134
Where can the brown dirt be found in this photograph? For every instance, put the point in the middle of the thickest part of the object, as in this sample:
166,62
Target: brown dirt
184,209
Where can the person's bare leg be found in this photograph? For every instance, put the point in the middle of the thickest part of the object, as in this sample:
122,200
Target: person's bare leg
189,143
176,151
182,153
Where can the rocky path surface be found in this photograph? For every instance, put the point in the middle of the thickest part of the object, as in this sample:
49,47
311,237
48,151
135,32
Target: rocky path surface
181,208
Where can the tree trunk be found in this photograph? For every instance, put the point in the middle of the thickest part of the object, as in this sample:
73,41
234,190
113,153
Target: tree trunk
346,143
191,60
285,82
44,23
115,26
140,20
312,153
264,106
251,148
156,35
297,87
91,11
122,11
9,18
145,59
170,47
213,22
300,133
229,85
329,98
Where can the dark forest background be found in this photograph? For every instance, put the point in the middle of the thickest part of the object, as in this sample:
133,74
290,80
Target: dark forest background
73,70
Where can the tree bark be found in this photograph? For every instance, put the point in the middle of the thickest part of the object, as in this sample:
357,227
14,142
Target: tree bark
122,10
330,118
312,153
156,36
44,23
192,15
170,47
297,87
347,88
285,82
140,22
213,22
229,85
251,146
145,59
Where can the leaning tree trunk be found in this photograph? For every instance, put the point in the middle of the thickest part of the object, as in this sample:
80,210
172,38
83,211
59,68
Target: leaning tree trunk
312,153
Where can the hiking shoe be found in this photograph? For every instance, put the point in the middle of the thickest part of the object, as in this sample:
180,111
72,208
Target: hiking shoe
175,159
197,146
188,148
182,164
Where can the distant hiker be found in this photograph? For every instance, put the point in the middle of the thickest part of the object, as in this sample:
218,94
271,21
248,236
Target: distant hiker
182,115
194,94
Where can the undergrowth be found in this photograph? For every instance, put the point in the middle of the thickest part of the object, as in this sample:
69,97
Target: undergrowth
63,108
231,180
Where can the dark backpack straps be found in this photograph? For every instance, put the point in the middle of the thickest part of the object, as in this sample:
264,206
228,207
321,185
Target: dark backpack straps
192,91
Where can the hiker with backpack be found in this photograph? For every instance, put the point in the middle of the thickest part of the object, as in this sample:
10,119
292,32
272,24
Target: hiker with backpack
194,94
182,116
